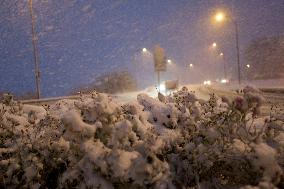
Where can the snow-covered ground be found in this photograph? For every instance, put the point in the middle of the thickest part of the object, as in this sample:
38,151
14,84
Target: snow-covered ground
200,90
272,90
268,83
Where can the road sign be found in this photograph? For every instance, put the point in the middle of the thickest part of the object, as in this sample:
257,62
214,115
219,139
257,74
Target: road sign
159,59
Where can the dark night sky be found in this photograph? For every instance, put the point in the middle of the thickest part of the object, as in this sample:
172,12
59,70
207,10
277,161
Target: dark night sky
81,39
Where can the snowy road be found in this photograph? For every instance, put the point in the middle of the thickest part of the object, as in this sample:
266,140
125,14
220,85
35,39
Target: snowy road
273,96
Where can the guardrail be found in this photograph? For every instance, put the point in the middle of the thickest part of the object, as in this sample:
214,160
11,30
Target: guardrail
44,100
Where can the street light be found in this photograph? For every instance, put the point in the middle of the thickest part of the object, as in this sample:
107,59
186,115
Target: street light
35,49
191,65
224,65
141,58
248,66
214,45
169,61
220,17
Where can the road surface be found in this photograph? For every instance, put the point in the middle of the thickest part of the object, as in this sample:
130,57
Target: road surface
273,96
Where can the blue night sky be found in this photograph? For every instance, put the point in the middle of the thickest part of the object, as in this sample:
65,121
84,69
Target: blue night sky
80,39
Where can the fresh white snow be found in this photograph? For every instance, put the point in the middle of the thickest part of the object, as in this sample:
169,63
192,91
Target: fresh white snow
176,141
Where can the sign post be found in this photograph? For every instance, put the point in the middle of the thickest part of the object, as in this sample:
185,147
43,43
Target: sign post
159,62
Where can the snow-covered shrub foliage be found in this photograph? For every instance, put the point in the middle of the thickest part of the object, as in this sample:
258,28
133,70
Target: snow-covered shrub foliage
178,142
112,82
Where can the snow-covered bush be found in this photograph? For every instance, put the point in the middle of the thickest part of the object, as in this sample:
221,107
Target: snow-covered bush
178,142
112,82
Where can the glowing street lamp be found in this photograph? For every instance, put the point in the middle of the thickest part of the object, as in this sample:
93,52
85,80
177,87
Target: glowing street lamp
144,50
191,65
220,17
248,66
169,61
224,65
214,45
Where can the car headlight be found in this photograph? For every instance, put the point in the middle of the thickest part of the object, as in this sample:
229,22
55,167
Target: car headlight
162,87
207,82
224,81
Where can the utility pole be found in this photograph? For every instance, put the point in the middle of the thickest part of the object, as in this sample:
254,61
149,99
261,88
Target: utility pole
35,50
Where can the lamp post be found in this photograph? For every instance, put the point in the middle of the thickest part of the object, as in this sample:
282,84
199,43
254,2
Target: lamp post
224,65
220,17
220,56
238,50
35,50
139,58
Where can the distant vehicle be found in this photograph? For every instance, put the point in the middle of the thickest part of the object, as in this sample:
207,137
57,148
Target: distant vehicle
224,81
207,82
169,85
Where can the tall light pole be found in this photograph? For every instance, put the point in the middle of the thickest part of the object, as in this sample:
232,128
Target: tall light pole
238,49
141,60
224,65
220,17
220,56
35,50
